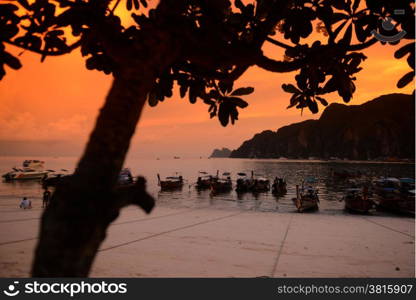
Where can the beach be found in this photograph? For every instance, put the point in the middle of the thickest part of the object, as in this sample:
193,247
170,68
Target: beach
207,242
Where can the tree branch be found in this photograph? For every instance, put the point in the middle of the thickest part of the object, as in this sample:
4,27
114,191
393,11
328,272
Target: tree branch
47,53
277,43
279,66
115,6
134,194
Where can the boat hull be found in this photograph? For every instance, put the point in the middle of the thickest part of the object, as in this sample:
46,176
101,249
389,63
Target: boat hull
171,185
306,204
358,205
25,176
203,184
221,187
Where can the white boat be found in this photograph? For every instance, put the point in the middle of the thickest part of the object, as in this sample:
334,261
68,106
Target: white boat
31,170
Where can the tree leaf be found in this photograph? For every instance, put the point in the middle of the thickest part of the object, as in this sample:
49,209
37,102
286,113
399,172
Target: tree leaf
192,94
237,101
11,61
346,40
408,48
182,90
406,79
294,100
144,3
322,100
339,28
223,114
312,105
355,5
152,99
129,4
136,4
239,4
242,91
290,88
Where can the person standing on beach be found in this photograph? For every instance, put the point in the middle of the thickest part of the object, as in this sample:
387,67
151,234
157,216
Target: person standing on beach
46,198
25,203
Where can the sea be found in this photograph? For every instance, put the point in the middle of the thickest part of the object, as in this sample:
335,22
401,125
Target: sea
331,190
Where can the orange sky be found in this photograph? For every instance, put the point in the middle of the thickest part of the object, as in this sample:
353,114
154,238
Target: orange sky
49,108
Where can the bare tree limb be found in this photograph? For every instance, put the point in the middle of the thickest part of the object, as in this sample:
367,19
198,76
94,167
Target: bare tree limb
278,43
279,66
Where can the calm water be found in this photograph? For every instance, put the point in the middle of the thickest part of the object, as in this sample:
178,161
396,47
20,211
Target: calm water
294,171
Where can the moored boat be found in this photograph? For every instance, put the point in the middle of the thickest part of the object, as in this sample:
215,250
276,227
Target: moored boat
357,200
31,170
260,184
204,180
170,182
54,177
307,196
244,182
279,187
395,195
222,184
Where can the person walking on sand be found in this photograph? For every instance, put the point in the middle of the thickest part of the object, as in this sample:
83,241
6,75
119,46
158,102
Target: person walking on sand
25,203
46,198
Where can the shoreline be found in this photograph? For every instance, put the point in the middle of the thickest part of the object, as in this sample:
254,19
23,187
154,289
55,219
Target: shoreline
206,242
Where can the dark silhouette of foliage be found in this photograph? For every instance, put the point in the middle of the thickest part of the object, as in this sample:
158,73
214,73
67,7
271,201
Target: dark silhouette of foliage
201,46
222,40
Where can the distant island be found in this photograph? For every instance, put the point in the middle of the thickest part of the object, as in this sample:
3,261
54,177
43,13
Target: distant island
224,152
383,128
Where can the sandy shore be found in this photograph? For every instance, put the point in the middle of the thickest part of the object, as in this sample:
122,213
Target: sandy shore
230,243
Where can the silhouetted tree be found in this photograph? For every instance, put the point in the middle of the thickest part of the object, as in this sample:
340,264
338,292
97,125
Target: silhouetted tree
203,47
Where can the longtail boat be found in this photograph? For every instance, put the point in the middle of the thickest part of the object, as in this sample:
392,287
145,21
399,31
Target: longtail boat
279,187
205,180
307,196
222,184
395,195
170,182
244,182
357,200
260,184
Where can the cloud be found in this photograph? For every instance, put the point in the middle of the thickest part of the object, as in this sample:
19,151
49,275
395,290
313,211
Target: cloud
27,126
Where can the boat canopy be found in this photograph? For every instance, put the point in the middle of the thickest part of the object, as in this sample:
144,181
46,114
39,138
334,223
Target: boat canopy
241,174
311,179
407,180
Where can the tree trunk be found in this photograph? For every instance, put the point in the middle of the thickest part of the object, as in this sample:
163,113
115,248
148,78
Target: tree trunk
83,206
74,225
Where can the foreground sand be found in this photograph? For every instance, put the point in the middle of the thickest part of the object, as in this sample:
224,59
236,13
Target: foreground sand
230,243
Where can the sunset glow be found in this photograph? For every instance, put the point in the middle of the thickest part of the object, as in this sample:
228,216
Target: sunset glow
50,108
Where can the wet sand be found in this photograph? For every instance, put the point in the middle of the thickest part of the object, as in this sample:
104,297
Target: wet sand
204,242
